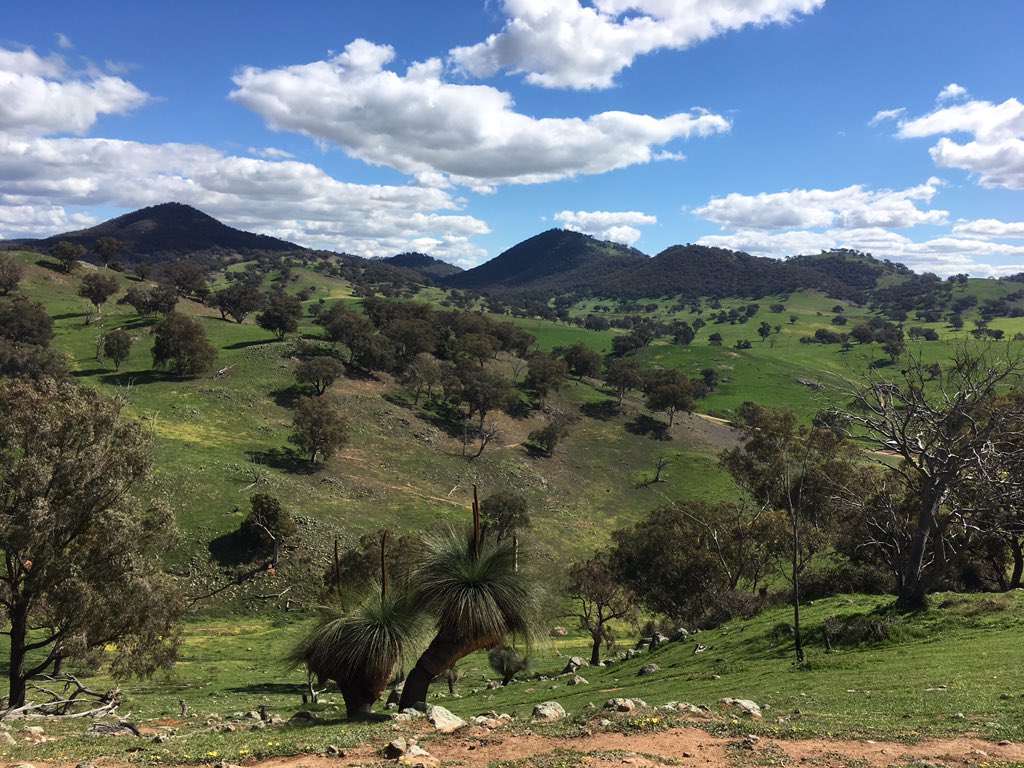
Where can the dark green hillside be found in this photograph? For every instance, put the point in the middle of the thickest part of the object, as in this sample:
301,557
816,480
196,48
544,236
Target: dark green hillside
548,264
427,266
165,231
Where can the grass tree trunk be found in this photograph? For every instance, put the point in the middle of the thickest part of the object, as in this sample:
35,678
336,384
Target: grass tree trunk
595,649
1018,562
360,697
916,582
444,652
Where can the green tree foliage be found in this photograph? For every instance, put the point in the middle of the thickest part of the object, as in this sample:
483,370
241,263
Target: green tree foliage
668,391
160,299
188,279
268,525
25,321
715,339
545,373
117,346
600,598
11,273
582,361
319,428
479,347
238,301
477,597
181,346
682,557
108,249
82,556
344,326
320,372
622,376
422,375
281,315
547,438
97,288
68,254
503,514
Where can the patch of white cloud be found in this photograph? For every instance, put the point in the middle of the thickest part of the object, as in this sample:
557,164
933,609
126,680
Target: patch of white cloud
851,207
566,44
40,220
417,123
989,228
952,92
617,226
887,114
63,41
271,153
995,154
40,95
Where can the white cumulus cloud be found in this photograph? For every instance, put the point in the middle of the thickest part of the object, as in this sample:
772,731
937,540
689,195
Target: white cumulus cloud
565,44
887,114
851,207
617,226
952,92
990,228
995,153
40,96
418,123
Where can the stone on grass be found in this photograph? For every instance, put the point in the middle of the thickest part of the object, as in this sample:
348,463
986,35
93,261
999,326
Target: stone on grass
7,739
395,749
577,680
648,669
548,711
575,663
620,705
444,721
744,706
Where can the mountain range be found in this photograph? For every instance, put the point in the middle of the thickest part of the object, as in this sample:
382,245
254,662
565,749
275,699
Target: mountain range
552,263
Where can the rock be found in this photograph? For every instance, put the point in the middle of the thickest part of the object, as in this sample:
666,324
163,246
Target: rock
335,751
577,680
642,643
620,705
605,722
957,716
33,731
658,640
575,662
23,765
6,738
548,711
640,703
630,654
648,669
745,706
395,749
444,721
699,649
160,738
493,685
559,632
303,717
680,635
395,696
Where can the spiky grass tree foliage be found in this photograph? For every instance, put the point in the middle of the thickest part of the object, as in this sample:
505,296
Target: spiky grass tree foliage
360,649
476,596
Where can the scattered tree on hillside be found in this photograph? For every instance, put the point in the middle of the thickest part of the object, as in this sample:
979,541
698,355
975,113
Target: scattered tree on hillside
82,574
281,315
25,321
601,598
319,428
108,249
188,279
238,301
503,515
764,331
117,346
668,391
422,375
181,346
622,376
583,362
715,339
268,525
320,371
545,373
11,273
68,254
547,438
957,431
97,288
160,299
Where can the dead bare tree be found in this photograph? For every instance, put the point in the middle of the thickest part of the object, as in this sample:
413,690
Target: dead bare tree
959,429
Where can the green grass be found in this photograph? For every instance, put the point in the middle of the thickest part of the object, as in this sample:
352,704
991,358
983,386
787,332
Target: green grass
960,657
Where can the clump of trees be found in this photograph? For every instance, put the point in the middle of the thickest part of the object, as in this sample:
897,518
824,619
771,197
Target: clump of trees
181,346
11,273
68,254
268,526
319,428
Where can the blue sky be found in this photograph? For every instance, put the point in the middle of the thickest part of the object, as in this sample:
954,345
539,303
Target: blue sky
461,128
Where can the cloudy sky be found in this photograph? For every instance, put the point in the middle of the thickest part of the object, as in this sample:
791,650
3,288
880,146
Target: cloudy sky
461,127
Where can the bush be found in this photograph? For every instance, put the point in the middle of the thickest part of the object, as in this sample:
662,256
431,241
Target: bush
851,631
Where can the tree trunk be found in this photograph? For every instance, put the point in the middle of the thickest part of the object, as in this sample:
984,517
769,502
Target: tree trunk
442,653
914,593
798,641
359,698
595,650
16,673
1018,562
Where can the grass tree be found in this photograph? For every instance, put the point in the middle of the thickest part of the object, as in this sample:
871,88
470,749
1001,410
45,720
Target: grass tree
360,649
476,595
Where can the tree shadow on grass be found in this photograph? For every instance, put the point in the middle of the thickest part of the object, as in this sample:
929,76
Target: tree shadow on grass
646,426
246,344
134,378
275,689
286,397
284,459
232,550
606,410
